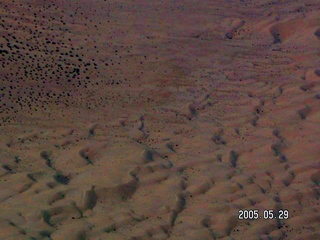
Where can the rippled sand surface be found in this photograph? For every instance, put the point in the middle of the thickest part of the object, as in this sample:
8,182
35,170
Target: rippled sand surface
159,119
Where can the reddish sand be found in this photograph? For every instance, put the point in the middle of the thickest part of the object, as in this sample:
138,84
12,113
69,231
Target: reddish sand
159,119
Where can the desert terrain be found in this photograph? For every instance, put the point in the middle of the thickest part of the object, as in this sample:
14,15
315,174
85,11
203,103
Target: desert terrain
159,119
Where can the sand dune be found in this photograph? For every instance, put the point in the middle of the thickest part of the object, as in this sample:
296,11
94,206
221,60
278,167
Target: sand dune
159,120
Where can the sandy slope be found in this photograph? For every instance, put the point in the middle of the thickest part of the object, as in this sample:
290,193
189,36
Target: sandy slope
159,119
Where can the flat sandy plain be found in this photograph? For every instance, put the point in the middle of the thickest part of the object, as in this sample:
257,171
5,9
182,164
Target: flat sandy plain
159,119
